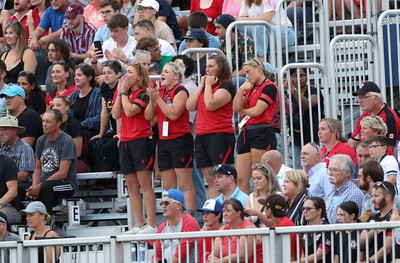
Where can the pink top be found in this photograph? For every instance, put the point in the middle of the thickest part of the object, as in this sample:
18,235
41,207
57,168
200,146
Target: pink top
229,7
93,16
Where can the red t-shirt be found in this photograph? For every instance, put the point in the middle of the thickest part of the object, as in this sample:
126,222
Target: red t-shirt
36,19
213,11
178,127
67,92
219,120
339,148
287,222
136,127
266,92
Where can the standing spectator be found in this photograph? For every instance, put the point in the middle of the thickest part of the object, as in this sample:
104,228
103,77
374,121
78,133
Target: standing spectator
52,19
55,163
255,102
136,149
173,204
371,102
92,14
330,134
22,8
175,146
295,188
378,148
318,179
27,117
274,159
18,150
18,58
3,86
211,8
215,140
77,33
34,97
6,236
341,169
225,180
383,194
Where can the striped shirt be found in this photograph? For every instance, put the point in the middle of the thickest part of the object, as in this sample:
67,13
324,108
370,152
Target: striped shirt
79,44
21,153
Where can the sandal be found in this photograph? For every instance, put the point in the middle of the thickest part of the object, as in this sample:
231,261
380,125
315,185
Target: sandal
122,209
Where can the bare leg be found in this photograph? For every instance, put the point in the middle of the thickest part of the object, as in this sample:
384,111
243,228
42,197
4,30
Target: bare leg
169,179
184,176
149,197
134,195
212,191
243,167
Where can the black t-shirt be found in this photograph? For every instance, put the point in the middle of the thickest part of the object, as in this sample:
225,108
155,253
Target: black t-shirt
31,120
167,11
345,245
80,107
377,218
8,172
318,237
37,104
72,127
108,94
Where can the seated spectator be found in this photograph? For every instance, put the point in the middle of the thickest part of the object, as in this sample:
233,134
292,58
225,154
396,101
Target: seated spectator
371,126
166,14
34,97
58,50
378,148
233,247
331,135
265,185
347,213
143,57
275,210
55,163
295,186
225,180
127,8
148,9
18,150
34,17
9,203
198,20
315,213
196,38
211,8
362,152
22,9
6,236
383,195
61,78
151,45
86,100
3,86
27,117
92,14
173,205
212,216
73,128
274,159
341,169
77,33
37,218
145,28
231,7
119,47
52,19
18,58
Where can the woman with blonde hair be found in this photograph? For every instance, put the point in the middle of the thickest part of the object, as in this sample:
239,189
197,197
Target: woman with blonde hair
18,58
295,187
265,184
371,126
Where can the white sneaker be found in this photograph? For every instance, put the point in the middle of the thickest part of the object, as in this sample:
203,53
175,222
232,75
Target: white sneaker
147,229
133,231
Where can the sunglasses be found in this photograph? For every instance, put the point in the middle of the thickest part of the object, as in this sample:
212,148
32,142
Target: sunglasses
25,73
259,166
308,208
167,203
383,185
59,62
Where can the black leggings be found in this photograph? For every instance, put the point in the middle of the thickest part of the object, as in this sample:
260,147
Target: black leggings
52,191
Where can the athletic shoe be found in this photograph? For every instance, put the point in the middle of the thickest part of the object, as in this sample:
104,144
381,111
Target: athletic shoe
147,229
133,231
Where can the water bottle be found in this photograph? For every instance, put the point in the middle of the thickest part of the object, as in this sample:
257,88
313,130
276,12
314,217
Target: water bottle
169,102
133,252
142,251
397,235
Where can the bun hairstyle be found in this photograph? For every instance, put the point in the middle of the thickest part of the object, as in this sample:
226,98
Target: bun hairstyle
178,67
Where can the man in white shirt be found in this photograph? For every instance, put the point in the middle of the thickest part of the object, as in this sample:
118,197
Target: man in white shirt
275,160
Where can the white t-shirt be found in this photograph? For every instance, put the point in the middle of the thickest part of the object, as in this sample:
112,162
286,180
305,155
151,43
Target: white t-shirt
166,48
390,166
110,44
265,7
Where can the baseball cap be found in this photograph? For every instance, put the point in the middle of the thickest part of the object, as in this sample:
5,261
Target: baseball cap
11,122
224,169
211,205
3,218
225,20
368,86
73,10
268,67
13,91
35,206
194,33
175,194
276,203
150,3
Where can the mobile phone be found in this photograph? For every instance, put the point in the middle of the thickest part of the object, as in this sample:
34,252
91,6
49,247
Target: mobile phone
97,44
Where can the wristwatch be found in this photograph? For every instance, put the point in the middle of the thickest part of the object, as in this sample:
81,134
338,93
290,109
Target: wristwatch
123,93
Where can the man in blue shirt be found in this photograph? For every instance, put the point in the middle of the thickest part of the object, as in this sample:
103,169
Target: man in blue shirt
53,18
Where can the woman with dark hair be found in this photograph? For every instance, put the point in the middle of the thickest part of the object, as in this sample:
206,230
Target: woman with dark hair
215,139
234,247
331,135
86,100
58,50
314,211
33,94
295,186
61,78
18,58
347,213
255,101
34,17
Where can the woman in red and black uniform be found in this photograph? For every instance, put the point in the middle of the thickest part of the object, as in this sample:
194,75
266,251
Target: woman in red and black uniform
136,149
215,140
175,146
255,102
